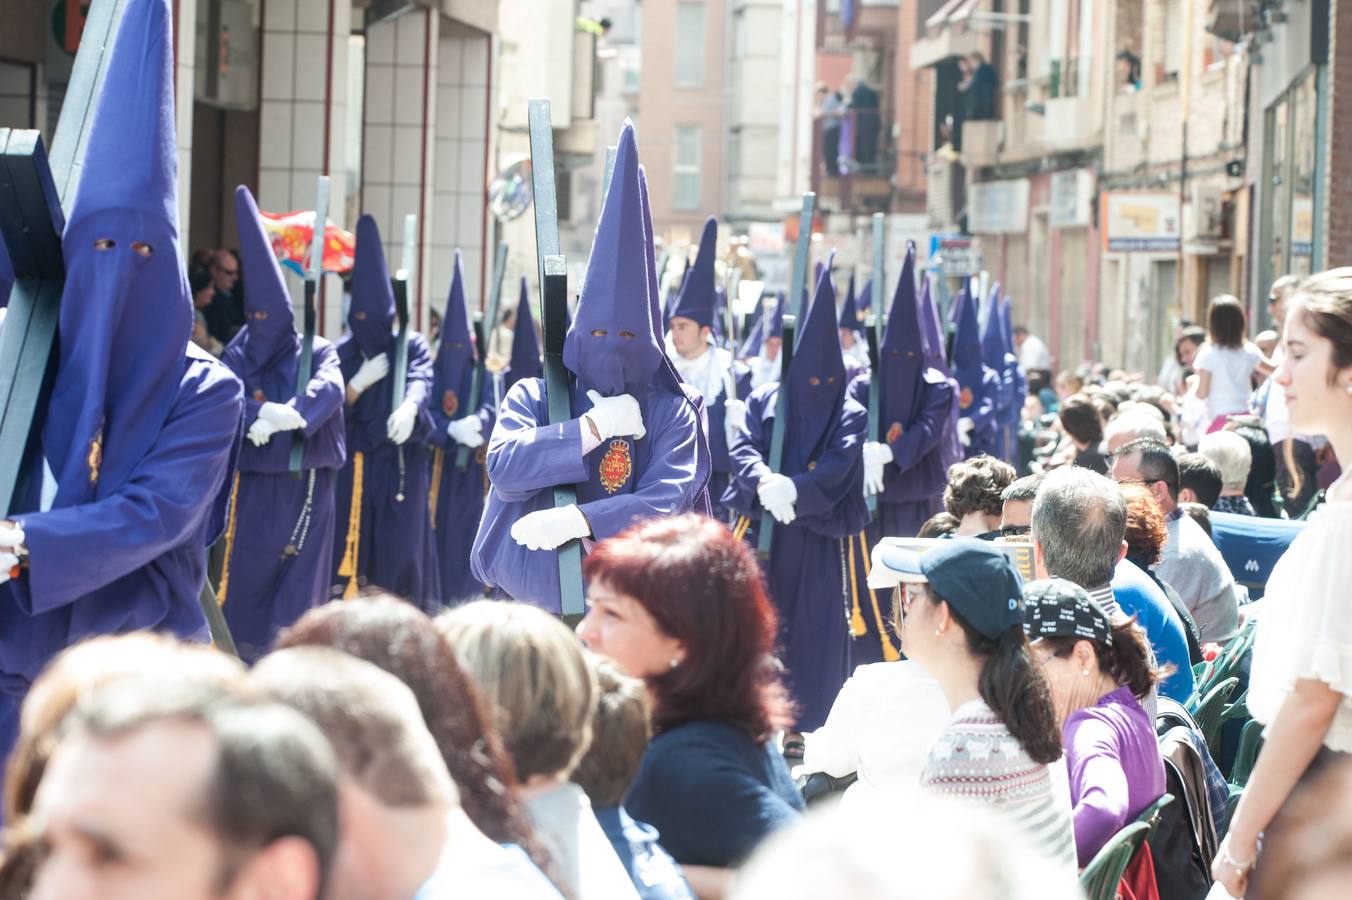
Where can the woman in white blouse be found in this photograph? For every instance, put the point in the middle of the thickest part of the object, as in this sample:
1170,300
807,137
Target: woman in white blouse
1301,682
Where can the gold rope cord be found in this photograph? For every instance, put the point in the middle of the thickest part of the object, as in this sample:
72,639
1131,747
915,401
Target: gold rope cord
438,463
857,626
890,653
229,540
739,530
348,567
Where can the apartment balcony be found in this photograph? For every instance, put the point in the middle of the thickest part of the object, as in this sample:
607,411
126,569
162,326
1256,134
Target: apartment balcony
1069,124
860,180
981,143
946,193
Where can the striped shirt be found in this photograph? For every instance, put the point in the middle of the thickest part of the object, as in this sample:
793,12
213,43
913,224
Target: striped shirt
976,759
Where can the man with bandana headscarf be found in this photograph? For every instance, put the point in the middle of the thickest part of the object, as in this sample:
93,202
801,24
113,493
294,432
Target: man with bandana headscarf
118,501
633,449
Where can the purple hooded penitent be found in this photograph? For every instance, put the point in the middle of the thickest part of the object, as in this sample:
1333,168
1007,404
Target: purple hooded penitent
525,343
6,276
279,553
612,347
371,316
140,426
823,456
698,299
978,384
902,355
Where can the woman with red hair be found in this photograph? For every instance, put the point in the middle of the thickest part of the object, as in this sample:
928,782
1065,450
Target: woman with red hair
680,603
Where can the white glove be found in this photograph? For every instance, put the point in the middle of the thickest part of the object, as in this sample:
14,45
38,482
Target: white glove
617,416
468,431
371,371
261,431
876,456
734,418
965,426
11,538
547,529
777,495
399,426
281,416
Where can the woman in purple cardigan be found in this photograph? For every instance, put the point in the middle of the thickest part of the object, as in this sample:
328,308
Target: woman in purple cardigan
1098,671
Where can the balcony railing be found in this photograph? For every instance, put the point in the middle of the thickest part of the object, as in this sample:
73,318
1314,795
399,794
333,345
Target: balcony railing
854,163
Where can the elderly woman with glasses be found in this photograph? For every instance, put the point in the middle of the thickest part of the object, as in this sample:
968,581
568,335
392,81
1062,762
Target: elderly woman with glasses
1098,671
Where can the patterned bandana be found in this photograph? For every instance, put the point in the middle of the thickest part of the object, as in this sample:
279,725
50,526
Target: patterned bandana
1055,607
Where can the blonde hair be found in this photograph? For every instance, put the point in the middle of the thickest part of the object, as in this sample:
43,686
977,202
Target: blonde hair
1231,454
79,670
533,672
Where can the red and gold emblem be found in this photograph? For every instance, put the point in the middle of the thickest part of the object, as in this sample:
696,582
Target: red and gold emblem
616,466
965,398
259,396
894,432
449,403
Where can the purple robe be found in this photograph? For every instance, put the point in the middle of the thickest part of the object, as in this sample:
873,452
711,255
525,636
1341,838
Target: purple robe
395,547
133,558
526,460
806,557
269,588
459,495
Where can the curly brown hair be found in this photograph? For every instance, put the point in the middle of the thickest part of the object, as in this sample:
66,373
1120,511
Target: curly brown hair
975,485
1146,531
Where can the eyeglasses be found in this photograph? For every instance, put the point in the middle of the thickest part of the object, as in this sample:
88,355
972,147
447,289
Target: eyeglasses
1012,530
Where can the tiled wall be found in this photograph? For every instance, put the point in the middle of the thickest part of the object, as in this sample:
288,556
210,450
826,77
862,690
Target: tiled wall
304,70
459,178
395,151
428,155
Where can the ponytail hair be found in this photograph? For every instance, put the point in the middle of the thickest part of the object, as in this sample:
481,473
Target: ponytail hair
1015,689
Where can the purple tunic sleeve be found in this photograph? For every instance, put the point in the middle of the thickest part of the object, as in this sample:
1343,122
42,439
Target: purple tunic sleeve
324,393
418,385
78,549
525,458
923,434
665,484
233,358
839,470
1099,794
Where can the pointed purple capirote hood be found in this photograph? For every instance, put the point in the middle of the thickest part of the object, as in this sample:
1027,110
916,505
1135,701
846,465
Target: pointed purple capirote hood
457,355
968,367
698,300
849,310
525,345
371,315
612,346
270,338
126,312
902,356
816,380
936,352
993,333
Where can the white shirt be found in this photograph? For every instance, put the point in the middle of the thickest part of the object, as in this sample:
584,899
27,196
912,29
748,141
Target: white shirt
764,370
881,726
1231,369
1306,628
707,373
1193,567
581,852
1033,354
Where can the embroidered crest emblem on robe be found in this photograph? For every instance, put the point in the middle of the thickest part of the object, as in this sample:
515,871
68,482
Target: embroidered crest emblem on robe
894,432
450,403
259,396
965,398
95,457
616,466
